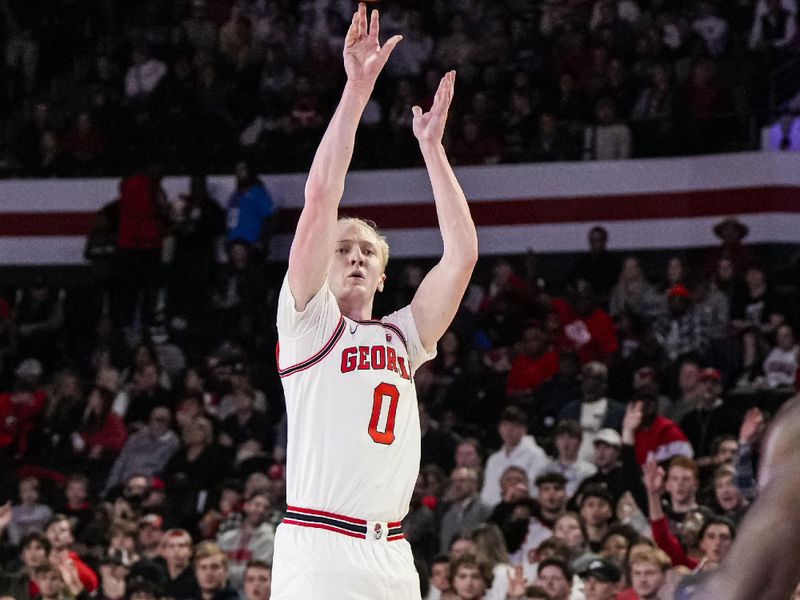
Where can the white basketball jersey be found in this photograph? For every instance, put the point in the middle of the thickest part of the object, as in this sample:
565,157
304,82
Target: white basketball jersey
353,423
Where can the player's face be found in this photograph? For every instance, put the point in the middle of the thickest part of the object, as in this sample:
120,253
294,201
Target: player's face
357,267
468,583
257,583
646,579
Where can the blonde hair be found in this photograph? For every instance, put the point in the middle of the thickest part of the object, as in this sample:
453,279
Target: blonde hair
372,227
208,550
654,556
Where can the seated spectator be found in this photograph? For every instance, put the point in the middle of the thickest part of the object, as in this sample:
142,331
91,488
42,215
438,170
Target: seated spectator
689,390
489,548
176,550
554,394
257,580
246,423
634,294
535,364
594,411
465,507
608,139
57,582
585,327
780,366
146,452
599,267
568,435
596,510
712,417
211,571
550,142
469,577
39,322
648,574
602,580
440,577
20,410
551,504
253,539
59,534
657,438
570,528
555,577
756,304
518,449
29,515
146,393
682,330
101,434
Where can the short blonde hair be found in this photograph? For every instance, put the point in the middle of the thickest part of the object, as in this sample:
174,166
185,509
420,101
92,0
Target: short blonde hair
654,556
209,550
372,227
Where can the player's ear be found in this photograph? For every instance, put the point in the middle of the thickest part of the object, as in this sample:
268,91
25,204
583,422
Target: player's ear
381,281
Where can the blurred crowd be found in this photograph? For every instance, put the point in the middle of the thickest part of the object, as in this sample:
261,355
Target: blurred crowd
593,435
89,87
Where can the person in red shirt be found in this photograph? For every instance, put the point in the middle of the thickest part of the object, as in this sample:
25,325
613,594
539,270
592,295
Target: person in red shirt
657,437
20,409
535,363
585,327
59,534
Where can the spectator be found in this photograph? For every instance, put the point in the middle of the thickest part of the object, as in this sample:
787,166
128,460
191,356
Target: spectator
465,507
599,267
146,452
756,304
176,550
689,392
712,417
780,366
596,510
594,411
257,580
550,142
585,327
101,435
144,75
648,575
469,577
656,437
58,583
712,28
39,322
489,548
518,449
731,232
535,364
729,500
29,515
608,139
568,435
440,578
249,209
602,580
19,411
555,577
211,571
246,423
570,528
551,504
252,540
59,533
634,294
682,330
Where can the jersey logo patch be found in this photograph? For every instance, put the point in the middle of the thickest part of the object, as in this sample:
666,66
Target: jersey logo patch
378,532
353,329
389,337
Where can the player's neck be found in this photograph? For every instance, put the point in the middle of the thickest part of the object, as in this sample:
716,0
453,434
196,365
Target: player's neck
355,308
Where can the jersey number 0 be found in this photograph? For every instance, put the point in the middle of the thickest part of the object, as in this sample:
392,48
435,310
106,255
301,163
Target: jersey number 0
382,392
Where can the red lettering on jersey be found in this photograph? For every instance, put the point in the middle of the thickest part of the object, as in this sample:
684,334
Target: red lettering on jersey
363,358
349,359
378,356
391,359
402,362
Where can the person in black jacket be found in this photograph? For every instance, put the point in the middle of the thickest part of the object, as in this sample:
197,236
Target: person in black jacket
211,570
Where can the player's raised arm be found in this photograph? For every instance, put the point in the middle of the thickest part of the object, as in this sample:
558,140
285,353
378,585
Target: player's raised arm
439,295
312,248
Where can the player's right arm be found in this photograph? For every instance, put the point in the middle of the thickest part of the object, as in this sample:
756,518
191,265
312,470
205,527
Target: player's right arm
312,248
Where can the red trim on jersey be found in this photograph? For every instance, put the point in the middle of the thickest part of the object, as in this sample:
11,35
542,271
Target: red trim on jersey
323,513
394,538
394,524
324,351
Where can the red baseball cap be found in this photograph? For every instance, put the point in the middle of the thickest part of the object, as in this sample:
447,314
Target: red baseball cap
679,290
710,373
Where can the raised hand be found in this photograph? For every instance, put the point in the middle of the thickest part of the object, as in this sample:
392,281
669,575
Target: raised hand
653,477
752,426
631,421
516,584
363,55
429,126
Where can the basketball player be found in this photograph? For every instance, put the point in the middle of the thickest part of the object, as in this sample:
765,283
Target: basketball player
354,436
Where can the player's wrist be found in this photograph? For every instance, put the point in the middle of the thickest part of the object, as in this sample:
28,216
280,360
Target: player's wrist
360,87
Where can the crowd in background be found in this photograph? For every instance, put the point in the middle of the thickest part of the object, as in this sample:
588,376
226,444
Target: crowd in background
90,87
598,430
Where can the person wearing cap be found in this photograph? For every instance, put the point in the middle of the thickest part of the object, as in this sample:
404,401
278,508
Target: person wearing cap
518,449
682,330
568,435
150,532
730,231
594,411
712,417
601,580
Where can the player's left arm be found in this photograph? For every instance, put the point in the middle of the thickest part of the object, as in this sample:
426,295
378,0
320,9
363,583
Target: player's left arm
439,295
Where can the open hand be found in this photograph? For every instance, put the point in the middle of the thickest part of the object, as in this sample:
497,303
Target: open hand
364,57
752,426
516,583
429,126
653,477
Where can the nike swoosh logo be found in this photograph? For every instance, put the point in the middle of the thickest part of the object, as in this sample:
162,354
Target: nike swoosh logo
353,329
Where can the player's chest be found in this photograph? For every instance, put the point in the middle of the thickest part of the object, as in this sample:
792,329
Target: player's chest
372,351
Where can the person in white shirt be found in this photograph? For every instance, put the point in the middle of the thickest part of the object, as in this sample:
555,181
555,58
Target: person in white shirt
519,449
780,366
